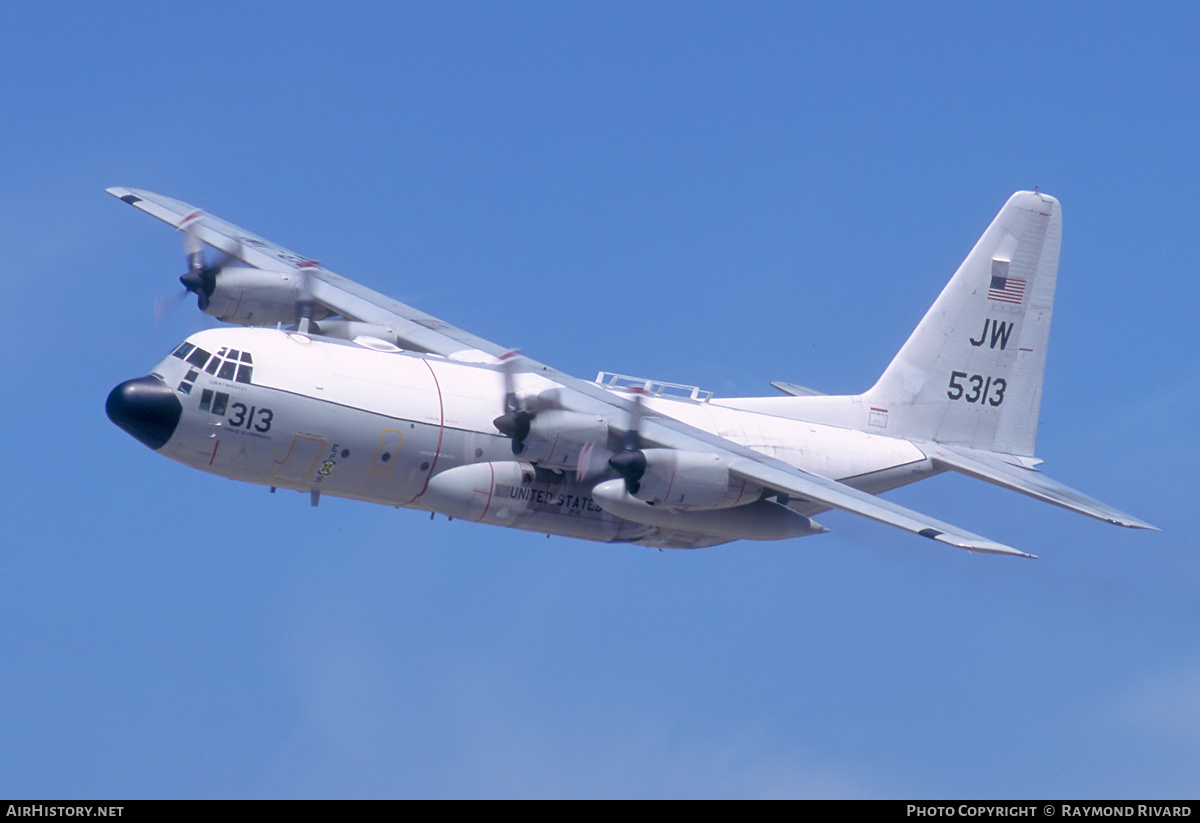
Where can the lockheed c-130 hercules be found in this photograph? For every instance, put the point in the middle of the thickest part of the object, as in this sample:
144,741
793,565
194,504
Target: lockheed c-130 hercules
326,387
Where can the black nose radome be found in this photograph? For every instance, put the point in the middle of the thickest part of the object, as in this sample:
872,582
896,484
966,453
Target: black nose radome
146,408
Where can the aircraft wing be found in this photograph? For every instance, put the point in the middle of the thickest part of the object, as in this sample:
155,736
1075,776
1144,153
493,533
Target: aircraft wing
416,329
423,332
769,472
989,467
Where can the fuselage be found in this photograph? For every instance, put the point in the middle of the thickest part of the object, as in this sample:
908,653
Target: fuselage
367,421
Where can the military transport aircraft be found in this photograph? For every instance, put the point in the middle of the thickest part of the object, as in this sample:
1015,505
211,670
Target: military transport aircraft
326,387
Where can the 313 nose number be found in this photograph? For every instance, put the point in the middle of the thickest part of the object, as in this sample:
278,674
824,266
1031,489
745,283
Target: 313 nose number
243,417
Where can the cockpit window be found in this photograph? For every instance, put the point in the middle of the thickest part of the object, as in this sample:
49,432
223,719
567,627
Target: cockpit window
214,402
226,364
198,358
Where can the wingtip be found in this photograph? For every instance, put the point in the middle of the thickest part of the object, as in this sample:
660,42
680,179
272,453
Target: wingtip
982,546
125,194
1011,553
1008,550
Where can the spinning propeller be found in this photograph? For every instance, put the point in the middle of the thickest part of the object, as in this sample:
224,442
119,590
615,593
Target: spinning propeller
270,293
201,276
630,461
517,419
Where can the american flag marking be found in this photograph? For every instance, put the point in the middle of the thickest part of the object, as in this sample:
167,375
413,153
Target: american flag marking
1006,289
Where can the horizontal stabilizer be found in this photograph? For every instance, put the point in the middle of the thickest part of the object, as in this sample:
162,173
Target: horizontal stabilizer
990,467
795,390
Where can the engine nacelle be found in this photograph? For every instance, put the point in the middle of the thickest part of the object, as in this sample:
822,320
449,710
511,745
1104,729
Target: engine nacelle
759,520
556,437
693,481
256,297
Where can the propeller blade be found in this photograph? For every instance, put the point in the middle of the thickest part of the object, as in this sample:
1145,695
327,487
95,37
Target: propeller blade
516,420
165,304
630,462
193,247
593,460
305,301
508,368
201,277
633,440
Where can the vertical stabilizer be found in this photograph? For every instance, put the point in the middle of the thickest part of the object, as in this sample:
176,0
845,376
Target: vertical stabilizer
971,373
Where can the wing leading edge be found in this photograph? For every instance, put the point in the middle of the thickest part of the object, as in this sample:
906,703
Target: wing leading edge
417,330
425,333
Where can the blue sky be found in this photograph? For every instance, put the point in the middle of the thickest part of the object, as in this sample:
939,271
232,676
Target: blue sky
703,193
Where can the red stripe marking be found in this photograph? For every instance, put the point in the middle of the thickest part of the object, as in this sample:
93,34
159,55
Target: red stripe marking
491,490
441,431
216,445
741,491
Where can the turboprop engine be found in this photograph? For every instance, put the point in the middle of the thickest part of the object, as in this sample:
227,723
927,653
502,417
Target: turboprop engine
255,297
556,437
692,481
